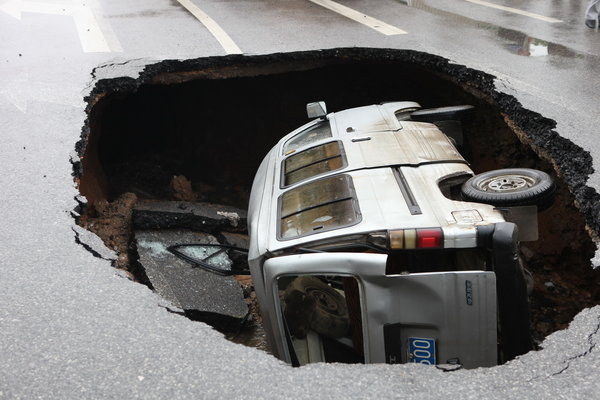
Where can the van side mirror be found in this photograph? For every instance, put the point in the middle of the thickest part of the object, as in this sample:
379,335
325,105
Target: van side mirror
316,110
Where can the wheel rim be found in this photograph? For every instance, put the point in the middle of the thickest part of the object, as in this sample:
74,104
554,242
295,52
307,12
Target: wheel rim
325,300
506,183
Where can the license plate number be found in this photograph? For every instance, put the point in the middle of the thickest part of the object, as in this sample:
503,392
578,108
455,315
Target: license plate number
421,350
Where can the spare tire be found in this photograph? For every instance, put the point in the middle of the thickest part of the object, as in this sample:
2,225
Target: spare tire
511,187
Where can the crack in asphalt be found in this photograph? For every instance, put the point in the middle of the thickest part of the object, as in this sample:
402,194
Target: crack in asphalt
173,311
89,248
592,344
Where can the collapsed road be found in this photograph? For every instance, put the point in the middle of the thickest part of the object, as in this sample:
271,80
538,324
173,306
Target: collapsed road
142,143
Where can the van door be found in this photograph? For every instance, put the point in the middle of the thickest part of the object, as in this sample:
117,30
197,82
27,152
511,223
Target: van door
341,307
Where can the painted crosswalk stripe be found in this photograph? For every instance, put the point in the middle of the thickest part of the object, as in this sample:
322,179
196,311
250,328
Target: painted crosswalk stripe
222,37
359,17
515,11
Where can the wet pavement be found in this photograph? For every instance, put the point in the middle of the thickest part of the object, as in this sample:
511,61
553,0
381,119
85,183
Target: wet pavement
73,326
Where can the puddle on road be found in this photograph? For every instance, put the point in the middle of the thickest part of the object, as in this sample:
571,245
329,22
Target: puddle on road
524,45
197,131
511,40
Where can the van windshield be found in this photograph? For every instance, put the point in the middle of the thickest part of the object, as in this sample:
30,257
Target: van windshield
318,206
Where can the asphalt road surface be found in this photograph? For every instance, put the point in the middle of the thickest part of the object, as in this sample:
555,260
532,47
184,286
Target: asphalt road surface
71,326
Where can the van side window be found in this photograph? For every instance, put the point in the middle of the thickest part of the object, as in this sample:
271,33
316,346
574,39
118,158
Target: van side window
312,162
317,132
318,206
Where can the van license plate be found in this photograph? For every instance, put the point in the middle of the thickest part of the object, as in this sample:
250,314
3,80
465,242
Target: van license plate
421,350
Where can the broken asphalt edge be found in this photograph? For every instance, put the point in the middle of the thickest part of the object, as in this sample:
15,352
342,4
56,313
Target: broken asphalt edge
572,162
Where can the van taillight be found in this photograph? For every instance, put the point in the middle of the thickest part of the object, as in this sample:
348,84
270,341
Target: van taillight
415,238
429,238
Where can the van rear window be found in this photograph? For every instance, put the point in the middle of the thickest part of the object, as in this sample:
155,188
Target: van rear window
317,132
312,162
318,206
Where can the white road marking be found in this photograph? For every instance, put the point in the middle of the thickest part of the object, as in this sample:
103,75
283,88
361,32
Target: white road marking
103,24
222,37
359,17
90,34
515,11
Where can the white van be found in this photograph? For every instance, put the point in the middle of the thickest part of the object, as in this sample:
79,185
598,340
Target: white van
371,241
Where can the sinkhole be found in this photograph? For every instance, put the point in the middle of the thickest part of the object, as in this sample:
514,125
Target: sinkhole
195,131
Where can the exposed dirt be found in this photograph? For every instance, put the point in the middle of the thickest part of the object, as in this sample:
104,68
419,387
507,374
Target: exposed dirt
181,188
253,333
197,131
112,223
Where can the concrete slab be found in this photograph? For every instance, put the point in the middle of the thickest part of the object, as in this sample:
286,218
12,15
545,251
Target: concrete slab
203,217
202,295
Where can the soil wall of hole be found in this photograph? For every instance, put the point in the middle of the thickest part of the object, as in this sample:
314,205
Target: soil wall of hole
212,120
